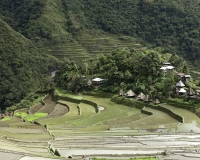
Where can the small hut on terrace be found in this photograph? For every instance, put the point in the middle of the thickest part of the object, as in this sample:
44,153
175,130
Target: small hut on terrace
157,101
180,84
121,93
191,92
130,93
141,96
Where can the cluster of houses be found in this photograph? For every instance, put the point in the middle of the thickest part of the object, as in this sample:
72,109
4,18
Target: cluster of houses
141,96
180,88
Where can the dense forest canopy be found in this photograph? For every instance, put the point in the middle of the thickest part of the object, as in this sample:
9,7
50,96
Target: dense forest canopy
23,67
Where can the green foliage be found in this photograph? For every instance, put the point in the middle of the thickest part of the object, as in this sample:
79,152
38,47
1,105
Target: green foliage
24,68
6,118
122,69
172,24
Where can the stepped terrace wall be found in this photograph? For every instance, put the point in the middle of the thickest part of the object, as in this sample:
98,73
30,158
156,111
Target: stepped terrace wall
128,102
141,104
79,101
68,99
92,104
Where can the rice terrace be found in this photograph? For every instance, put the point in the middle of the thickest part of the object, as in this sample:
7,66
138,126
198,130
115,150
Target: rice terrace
99,126
100,79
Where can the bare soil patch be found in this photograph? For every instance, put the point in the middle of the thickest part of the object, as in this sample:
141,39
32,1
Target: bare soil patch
49,105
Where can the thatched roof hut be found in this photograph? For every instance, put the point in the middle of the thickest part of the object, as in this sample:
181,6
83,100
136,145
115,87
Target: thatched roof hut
130,93
157,101
191,92
141,96
180,84
121,93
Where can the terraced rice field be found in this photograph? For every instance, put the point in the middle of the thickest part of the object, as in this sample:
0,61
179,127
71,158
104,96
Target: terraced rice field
87,46
23,138
188,116
35,108
77,129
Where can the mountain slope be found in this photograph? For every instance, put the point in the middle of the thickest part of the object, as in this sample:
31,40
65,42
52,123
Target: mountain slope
23,67
173,24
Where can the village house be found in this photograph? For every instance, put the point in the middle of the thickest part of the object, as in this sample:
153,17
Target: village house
167,66
180,84
184,77
130,93
141,96
97,81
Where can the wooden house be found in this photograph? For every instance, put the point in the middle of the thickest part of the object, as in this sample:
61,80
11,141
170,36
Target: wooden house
97,81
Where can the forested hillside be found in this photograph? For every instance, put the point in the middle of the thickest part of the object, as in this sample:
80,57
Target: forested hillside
23,68
172,24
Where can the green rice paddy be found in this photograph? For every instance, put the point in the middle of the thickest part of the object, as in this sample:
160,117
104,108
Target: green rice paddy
35,116
6,118
21,114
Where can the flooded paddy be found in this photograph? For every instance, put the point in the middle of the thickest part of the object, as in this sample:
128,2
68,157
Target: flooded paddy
116,131
9,156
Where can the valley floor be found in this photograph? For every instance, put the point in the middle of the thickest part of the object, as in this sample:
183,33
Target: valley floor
90,126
